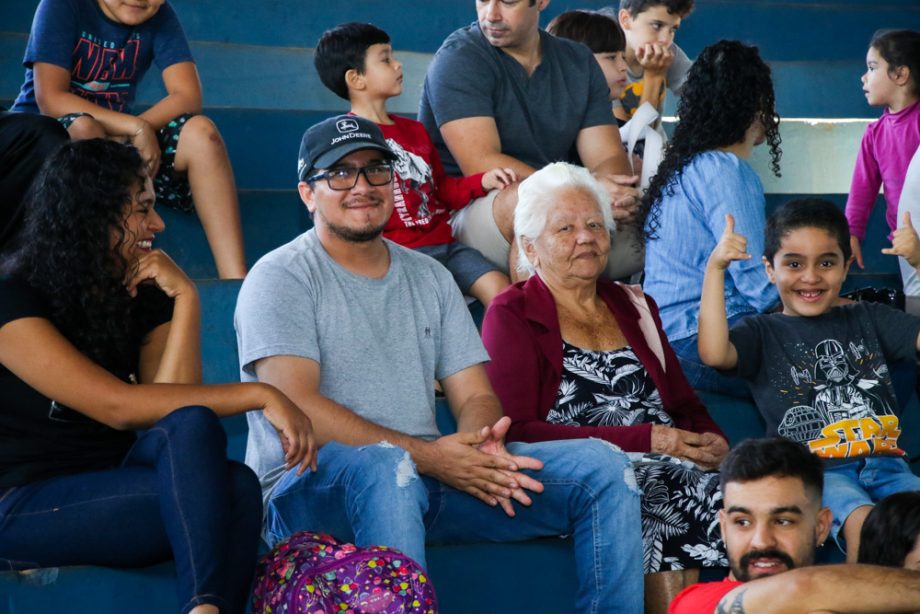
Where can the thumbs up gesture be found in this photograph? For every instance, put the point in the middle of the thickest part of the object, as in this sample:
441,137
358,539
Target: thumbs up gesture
731,246
905,242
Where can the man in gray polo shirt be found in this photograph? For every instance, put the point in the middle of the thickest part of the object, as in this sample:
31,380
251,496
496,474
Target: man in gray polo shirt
355,330
504,93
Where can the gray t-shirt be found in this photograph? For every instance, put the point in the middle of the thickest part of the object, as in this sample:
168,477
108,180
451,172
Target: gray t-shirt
538,116
380,343
823,381
675,80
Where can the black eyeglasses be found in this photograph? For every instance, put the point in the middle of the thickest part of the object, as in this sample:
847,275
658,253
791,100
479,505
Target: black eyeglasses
346,177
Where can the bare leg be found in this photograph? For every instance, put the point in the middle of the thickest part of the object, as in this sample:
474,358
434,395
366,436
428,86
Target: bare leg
201,153
852,528
662,587
503,211
85,127
486,287
503,214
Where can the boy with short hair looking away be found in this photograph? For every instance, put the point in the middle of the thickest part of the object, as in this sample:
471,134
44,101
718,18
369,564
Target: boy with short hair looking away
654,61
84,61
600,33
818,370
356,62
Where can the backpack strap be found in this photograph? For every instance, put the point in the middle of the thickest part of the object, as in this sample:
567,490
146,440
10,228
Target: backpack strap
646,321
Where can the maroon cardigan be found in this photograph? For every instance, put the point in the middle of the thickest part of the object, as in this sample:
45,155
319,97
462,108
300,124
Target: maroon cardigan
521,334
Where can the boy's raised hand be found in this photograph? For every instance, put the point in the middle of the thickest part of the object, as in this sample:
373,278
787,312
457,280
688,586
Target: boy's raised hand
905,242
731,247
498,178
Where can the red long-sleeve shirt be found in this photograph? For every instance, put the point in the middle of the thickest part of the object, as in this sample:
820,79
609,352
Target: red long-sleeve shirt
424,194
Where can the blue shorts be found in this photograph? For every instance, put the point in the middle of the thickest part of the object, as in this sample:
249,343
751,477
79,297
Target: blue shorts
464,263
863,482
171,187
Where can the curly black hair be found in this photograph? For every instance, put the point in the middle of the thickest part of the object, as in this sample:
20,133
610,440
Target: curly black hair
69,246
727,88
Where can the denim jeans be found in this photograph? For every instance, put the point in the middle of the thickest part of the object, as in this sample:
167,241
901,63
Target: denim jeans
174,495
703,377
863,482
373,495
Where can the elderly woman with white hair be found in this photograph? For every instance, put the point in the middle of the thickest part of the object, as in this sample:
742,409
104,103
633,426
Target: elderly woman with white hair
575,355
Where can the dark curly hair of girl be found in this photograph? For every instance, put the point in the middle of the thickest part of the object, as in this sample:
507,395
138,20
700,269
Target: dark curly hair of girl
75,212
727,88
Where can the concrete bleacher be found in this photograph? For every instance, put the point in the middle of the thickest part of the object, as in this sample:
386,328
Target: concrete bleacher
261,90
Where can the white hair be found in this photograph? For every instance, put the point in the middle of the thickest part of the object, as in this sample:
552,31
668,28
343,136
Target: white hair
539,192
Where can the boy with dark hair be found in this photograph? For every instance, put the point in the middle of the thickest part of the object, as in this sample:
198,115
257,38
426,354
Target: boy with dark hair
600,33
654,61
771,523
84,61
356,61
818,371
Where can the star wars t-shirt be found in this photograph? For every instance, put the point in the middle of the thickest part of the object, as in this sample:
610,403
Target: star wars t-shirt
823,381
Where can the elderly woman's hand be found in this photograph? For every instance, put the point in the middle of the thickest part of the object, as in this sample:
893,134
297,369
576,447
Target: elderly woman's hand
706,450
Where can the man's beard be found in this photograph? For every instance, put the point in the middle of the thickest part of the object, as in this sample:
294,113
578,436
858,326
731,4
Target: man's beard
740,569
353,235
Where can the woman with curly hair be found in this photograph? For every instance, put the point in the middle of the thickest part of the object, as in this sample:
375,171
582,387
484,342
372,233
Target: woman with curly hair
726,109
99,346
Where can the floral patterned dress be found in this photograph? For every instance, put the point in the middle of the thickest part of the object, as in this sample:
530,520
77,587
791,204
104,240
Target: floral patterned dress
680,501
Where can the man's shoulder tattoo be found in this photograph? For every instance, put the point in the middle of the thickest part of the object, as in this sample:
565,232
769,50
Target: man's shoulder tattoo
735,607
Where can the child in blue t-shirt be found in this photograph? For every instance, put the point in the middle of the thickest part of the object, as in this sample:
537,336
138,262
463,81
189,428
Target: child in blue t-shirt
818,370
84,61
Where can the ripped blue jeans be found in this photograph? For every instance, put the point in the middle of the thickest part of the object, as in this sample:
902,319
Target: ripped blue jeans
373,495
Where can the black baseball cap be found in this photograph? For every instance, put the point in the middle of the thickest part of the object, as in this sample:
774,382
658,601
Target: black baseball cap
332,139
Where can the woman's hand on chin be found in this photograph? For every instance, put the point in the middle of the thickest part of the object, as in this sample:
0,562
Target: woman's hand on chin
158,268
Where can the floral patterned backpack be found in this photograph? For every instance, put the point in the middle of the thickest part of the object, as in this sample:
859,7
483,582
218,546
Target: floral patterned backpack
313,573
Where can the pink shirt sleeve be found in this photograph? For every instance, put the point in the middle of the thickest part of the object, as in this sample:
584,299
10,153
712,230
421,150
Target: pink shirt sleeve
865,186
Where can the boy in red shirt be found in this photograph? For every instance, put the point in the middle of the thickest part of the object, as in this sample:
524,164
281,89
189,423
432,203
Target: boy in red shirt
356,62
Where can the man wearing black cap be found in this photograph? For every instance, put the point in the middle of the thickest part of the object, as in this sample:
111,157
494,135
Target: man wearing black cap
355,330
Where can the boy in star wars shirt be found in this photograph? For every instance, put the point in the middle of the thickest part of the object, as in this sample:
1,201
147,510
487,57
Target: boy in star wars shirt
818,371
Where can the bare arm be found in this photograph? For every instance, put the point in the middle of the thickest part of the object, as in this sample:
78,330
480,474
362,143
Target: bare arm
57,370
477,409
453,459
906,244
712,339
171,353
52,93
472,400
299,378
475,145
655,60
601,151
828,588
183,95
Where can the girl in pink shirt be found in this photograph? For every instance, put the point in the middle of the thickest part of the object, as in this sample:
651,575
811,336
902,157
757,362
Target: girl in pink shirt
892,80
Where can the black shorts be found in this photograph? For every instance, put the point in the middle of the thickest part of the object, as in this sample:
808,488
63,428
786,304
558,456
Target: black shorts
171,187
